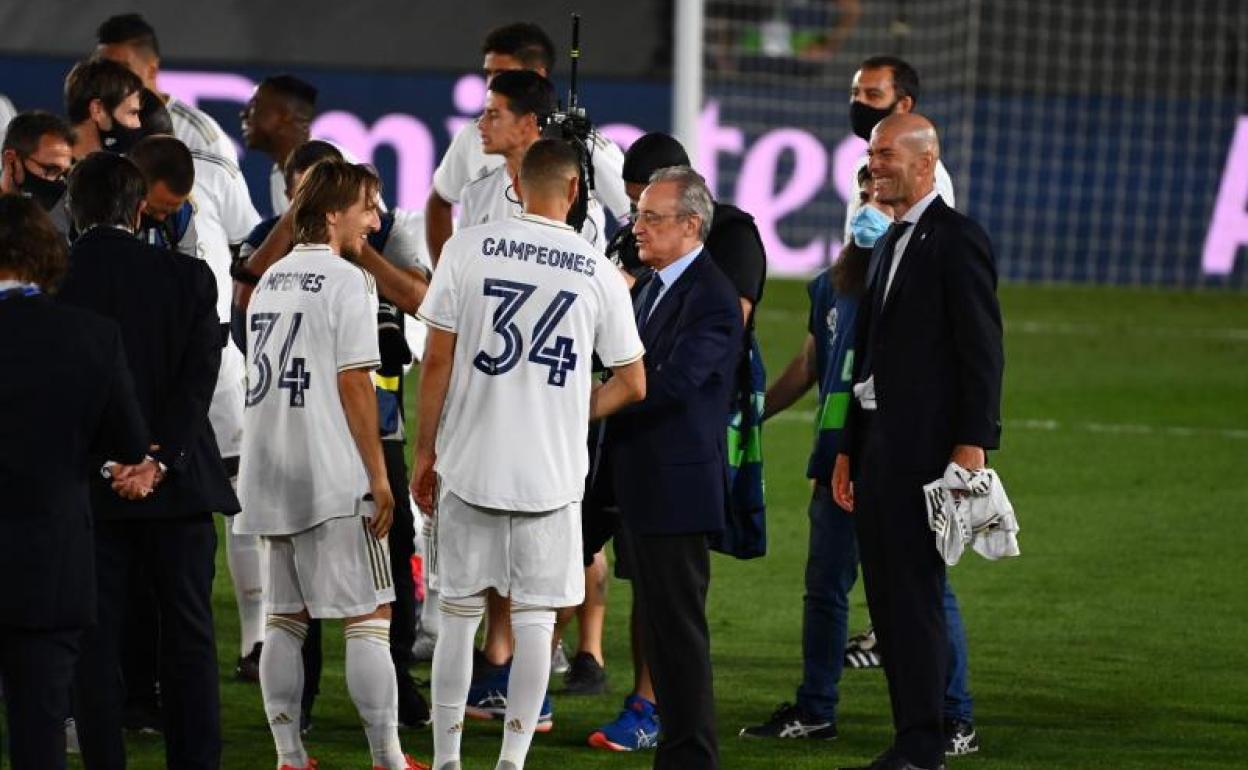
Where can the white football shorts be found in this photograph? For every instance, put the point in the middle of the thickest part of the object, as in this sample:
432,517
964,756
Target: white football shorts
337,569
533,558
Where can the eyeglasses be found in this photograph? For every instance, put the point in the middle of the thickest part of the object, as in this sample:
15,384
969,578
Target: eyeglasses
652,218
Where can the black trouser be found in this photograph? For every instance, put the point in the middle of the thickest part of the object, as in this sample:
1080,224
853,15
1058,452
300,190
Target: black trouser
313,662
140,645
179,555
402,547
904,580
37,669
402,540
671,574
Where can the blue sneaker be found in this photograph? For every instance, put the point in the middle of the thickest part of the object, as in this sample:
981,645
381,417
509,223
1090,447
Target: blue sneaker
635,729
487,699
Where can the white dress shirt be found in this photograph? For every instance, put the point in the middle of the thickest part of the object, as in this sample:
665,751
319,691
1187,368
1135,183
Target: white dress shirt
899,248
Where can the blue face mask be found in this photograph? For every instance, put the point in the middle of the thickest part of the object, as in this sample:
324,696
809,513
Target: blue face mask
867,225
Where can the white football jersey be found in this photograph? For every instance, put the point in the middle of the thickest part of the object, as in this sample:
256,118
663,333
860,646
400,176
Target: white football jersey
225,413
530,302
465,161
313,314
199,131
223,216
490,198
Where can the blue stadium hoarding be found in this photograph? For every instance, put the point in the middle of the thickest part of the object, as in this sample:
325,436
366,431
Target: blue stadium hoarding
1069,211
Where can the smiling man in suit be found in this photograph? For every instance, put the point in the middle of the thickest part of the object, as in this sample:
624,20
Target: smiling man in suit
927,392
667,454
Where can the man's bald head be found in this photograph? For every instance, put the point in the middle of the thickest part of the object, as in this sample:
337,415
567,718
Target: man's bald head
913,130
903,155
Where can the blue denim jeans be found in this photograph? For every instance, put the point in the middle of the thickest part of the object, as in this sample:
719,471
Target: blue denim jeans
831,569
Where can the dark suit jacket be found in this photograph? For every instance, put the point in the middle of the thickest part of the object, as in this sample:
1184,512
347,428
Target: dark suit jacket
165,303
667,451
937,354
67,395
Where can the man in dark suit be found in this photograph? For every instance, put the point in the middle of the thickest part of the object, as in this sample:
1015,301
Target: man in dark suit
166,305
927,392
67,394
667,455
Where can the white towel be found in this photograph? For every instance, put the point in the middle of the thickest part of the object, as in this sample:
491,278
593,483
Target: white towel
865,393
971,508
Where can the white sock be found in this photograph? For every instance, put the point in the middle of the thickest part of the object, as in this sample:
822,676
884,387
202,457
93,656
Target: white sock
281,684
452,673
430,615
374,690
532,628
245,556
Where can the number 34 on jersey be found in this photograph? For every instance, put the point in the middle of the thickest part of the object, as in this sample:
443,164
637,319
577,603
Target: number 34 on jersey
293,374
557,354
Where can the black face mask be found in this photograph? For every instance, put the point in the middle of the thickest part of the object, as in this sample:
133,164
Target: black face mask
863,117
119,139
46,192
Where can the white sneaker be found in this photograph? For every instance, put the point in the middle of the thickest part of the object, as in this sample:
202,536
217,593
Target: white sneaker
559,663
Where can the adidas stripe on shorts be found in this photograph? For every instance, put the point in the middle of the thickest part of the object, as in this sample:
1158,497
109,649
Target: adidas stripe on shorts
337,569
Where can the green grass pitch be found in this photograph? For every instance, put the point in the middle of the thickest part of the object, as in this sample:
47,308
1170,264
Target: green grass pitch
1117,640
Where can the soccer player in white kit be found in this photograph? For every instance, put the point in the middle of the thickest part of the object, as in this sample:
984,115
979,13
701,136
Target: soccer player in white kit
518,46
517,104
312,471
516,310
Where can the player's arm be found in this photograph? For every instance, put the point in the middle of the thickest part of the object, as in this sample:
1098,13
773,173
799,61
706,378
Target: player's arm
435,380
793,383
277,244
359,402
438,224
627,384
406,288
